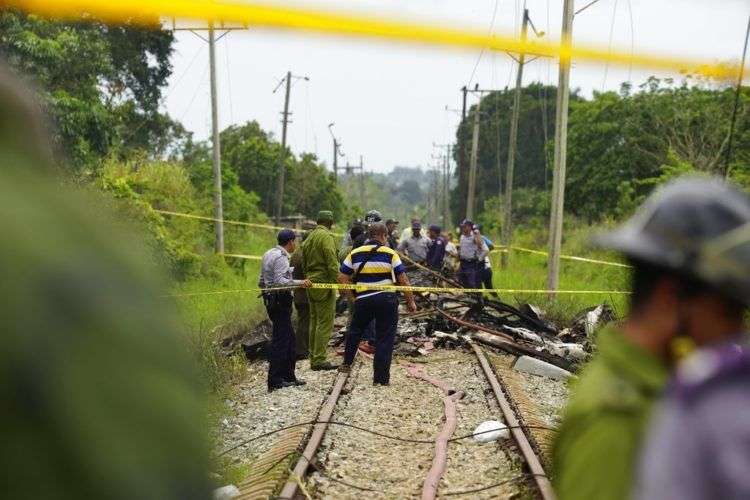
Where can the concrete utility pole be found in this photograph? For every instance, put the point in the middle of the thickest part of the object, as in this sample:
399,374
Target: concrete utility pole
282,163
507,231
446,188
445,183
349,169
462,164
473,164
362,181
216,146
561,137
336,153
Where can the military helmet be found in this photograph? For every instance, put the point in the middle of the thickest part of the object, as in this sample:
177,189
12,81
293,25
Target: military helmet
696,227
373,216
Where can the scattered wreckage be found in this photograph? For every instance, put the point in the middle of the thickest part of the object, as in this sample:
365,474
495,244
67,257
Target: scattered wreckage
449,320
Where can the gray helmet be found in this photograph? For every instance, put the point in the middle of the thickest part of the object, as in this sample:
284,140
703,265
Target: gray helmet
695,227
373,216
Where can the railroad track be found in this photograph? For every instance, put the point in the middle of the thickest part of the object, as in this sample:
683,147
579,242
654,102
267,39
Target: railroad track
536,478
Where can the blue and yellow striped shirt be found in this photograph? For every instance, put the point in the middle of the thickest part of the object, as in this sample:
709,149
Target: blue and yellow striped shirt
380,268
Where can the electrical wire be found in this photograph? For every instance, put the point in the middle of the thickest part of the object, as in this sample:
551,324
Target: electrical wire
609,46
494,485
195,94
632,40
229,80
481,52
375,433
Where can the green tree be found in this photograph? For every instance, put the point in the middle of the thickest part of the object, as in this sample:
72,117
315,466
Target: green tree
100,84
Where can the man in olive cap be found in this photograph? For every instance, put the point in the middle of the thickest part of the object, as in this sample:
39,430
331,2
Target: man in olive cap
321,266
689,248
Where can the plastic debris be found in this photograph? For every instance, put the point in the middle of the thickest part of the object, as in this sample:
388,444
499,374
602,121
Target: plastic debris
226,492
535,366
491,430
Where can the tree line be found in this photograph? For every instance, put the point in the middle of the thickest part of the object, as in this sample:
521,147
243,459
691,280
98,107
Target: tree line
620,146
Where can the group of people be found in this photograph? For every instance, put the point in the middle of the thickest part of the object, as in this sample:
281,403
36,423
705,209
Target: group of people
370,253
663,409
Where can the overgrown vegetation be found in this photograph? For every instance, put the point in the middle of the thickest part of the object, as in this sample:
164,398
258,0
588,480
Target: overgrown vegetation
102,87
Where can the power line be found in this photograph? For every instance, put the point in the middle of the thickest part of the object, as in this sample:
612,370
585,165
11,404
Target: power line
736,102
632,40
229,80
481,52
609,46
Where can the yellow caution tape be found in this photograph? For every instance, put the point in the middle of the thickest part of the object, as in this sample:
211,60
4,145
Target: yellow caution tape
566,257
399,288
258,14
241,256
225,221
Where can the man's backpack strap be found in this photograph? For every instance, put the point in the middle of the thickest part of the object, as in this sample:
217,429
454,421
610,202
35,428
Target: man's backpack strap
367,258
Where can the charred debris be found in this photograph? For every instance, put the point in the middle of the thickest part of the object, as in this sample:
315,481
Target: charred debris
450,321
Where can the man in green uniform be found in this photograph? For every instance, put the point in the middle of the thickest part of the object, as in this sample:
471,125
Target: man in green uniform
687,250
321,266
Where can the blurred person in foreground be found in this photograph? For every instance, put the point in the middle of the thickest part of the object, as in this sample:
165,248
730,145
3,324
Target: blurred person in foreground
690,252
100,398
375,264
276,272
321,266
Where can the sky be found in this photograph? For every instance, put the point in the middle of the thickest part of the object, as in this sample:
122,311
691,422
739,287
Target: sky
391,103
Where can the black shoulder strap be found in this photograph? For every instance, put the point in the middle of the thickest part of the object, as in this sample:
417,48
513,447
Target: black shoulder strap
367,258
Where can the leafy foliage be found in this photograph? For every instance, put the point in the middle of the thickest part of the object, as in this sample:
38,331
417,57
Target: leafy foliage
621,145
100,84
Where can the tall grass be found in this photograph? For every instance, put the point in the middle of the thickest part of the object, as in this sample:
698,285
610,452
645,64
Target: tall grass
529,271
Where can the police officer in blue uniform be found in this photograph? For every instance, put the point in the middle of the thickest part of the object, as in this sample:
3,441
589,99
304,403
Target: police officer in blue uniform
276,272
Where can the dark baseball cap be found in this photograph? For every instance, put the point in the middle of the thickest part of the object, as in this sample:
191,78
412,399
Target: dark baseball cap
285,236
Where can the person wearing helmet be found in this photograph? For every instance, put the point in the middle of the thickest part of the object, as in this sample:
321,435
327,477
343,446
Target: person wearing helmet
373,216
689,247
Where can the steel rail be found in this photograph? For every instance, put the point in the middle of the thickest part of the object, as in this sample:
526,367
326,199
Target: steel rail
529,455
316,438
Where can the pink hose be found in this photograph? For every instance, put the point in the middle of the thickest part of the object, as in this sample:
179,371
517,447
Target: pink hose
439,462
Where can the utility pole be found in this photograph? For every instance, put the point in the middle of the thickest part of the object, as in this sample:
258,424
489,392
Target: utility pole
446,188
507,231
445,184
282,163
336,153
349,169
473,163
362,181
215,142
284,124
462,164
216,146
561,137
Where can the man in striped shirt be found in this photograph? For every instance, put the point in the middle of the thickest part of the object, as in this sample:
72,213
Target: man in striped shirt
375,263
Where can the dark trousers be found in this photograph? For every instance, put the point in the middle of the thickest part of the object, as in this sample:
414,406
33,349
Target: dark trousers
369,332
487,279
301,349
383,308
281,353
469,273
